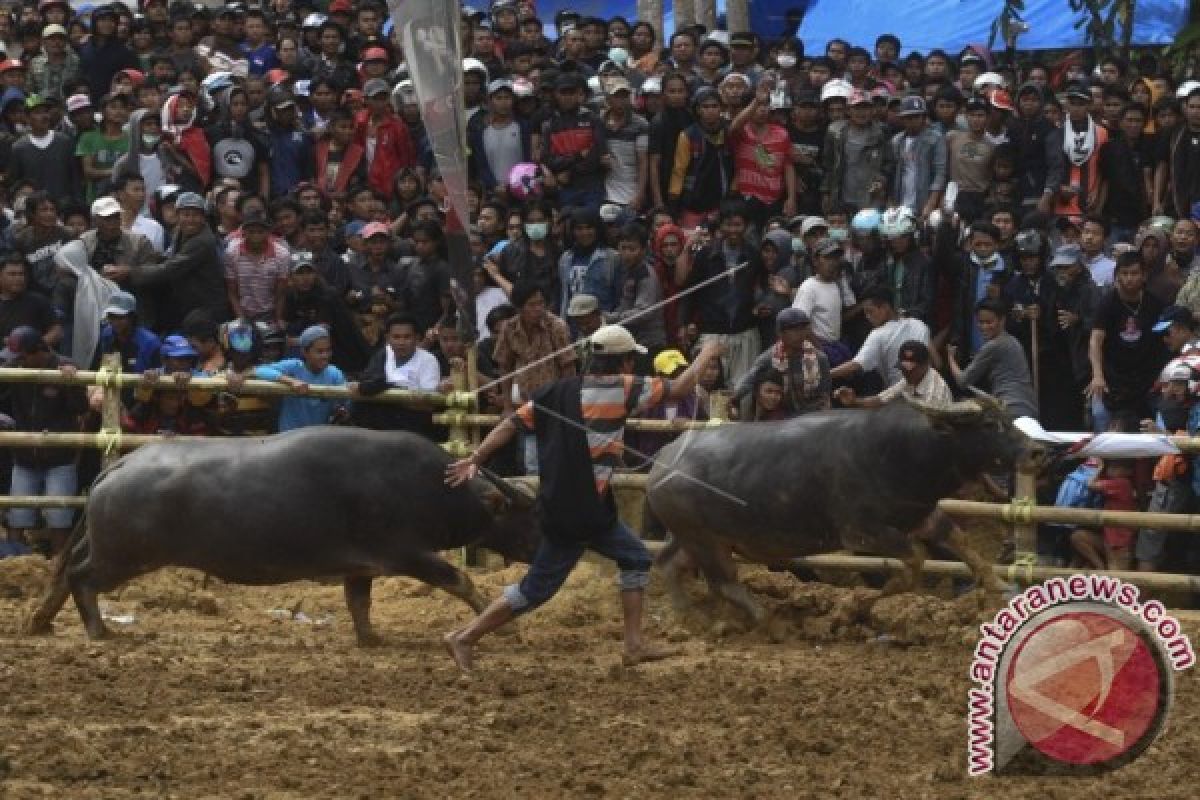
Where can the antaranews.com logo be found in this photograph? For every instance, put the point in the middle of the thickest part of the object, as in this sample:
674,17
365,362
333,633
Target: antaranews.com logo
1073,675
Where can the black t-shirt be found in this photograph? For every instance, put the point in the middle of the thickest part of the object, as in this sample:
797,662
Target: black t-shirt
26,309
1133,353
812,142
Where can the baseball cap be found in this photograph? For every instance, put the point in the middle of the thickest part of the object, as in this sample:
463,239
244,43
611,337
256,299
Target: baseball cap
860,98
614,340
255,218
189,200
36,101
500,85
240,336
301,259
975,103
372,229
735,77
22,341
105,207
813,223
177,346
668,361
1078,89
790,318
807,97
522,87
135,76
617,83
652,85
121,304
610,213
53,30
375,54
341,7
582,304
376,86
828,247
1181,314
1179,372
742,38
1029,243
78,102
354,228
1067,255
283,100
912,106
913,350
1000,99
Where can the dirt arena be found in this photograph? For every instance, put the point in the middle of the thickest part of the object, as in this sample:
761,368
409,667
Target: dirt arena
207,693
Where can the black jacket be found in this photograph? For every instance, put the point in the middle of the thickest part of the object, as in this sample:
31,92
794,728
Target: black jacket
192,278
387,417
46,407
724,306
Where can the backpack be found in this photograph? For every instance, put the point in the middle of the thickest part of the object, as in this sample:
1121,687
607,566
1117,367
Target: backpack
1073,492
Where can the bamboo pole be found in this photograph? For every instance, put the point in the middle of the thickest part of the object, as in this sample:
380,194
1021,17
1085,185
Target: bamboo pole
737,15
18,501
649,425
404,397
1161,581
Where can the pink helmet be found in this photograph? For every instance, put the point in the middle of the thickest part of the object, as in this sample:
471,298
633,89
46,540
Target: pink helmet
525,181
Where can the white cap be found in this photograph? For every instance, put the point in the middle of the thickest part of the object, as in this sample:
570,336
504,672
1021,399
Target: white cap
475,64
811,224
614,340
989,79
105,207
652,85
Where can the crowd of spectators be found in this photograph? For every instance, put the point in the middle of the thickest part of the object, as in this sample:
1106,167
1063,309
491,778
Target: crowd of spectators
250,191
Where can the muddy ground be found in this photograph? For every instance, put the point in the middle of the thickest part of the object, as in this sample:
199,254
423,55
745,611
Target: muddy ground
205,693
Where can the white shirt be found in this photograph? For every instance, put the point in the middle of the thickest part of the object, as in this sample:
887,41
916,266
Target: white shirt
823,302
882,347
485,301
1102,268
151,230
932,391
419,372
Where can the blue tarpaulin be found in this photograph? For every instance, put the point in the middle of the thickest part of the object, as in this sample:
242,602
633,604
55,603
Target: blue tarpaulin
922,25
953,24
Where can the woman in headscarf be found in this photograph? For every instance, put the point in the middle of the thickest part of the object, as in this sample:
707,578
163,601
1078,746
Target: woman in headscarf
665,249
1163,280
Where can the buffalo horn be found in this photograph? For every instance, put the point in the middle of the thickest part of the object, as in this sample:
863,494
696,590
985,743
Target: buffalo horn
956,410
517,496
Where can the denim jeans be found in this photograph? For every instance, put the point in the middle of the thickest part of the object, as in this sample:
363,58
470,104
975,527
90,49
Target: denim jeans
51,482
555,559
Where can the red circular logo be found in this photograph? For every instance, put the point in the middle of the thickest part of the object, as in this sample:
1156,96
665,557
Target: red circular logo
1084,688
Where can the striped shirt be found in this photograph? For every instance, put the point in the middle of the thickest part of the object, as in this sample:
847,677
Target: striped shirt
257,275
606,401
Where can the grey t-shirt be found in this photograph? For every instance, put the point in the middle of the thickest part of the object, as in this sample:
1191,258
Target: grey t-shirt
502,147
860,172
1000,368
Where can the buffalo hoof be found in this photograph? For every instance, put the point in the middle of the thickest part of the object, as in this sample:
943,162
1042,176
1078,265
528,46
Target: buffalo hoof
369,639
99,634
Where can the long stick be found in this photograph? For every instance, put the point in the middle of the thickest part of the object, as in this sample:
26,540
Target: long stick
1033,348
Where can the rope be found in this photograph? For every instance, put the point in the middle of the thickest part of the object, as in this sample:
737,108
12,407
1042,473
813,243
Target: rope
1026,562
109,440
1019,511
106,377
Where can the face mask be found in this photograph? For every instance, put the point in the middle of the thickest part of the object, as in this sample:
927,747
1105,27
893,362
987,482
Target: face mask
149,140
536,230
785,60
839,234
798,245
618,55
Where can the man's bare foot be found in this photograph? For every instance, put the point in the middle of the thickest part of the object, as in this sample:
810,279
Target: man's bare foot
459,650
648,652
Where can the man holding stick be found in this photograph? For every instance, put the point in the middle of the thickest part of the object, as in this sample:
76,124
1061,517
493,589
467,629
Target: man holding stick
579,424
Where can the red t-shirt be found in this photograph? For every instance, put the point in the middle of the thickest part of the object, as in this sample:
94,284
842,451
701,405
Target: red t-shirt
1118,496
759,161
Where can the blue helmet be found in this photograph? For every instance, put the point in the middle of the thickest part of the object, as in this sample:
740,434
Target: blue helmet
866,221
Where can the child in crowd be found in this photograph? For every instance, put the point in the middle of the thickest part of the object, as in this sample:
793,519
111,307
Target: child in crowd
1113,549
313,369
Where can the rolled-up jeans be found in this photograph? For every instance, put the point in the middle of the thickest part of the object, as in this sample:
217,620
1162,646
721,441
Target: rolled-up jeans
556,558
36,482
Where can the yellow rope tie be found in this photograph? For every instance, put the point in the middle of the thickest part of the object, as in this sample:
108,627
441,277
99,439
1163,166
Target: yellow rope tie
458,449
1019,511
463,400
1022,561
106,378
715,423
109,440
454,418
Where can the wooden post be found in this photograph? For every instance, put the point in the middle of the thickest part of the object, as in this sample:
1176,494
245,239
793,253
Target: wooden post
110,409
685,14
737,15
652,11
1025,532
706,14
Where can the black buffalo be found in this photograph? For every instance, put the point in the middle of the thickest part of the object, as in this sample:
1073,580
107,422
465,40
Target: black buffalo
867,481
314,503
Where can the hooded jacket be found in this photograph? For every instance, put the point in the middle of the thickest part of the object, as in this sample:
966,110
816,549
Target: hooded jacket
393,149
666,273
188,142
227,160
191,278
176,167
